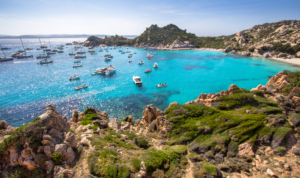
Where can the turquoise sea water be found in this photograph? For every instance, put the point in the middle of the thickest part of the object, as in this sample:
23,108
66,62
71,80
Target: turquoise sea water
26,88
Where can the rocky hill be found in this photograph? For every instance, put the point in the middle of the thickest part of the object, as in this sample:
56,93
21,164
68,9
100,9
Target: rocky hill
235,133
108,41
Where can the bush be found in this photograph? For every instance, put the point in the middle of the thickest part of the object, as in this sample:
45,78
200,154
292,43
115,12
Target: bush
271,110
57,158
136,164
155,159
252,49
112,171
283,55
142,142
123,172
22,172
258,93
88,119
89,110
235,100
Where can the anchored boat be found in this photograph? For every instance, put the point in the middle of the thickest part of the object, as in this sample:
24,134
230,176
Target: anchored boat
137,80
155,65
148,70
45,61
75,77
161,85
142,62
81,87
78,65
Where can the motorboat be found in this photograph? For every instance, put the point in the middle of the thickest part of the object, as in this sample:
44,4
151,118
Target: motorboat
46,49
122,52
38,49
148,70
134,52
130,61
155,65
43,46
77,61
142,62
54,50
161,85
130,55
127,51
137,80
60,51
149,56
107,59
75,77
5,48
21,51
81,87
45,61
80,52
106,55
50,53
68,43
94,73
93,53
78,65
3,58
110,57
110,70
100,50
79,56
28,48
42,56
22,56
90,47
72,54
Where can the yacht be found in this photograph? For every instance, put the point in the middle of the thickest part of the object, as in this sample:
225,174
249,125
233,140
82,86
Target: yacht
21,51
149,56
5,48
142,62
22,56
155,65
81,87
122,52
161,85
51,52
137,80
46,49
80,52
77,65
75,77
43,46
148,70
77,61
110,70
42,56
68,43
4,58
107,59
28,48
72,54
79,56
106,55
91,51
60,51
130,55
45,61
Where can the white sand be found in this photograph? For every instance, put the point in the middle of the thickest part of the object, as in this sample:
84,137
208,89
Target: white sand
294,61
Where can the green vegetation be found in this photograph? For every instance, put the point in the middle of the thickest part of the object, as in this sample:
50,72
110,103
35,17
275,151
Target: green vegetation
21,172
142,142
57,158
126,119
210,42
136,164
287,48
88,119
89,110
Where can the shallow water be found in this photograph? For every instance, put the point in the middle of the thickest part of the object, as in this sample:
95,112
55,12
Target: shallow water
26,88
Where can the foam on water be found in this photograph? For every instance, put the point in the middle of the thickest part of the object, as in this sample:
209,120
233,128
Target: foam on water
26,88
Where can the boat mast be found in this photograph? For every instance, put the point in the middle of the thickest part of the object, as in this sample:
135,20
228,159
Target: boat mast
3,52
49,43
23,45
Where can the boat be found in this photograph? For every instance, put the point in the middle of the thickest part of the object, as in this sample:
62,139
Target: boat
28,48
100,50
90,47
77,61
130,61
68,43
105,70
78,65
149,56
60,51
54,50
106,55
154,53
91,51
122,52
43,46
45,61
38,49
127,51
142,62
155,65
75,77
81,87
4,58
130,55
148,70
72,53
21,51
5,48
107,59
51,52
80,52
94,73
111,69
161,85
46,49
137,80
79,56
134,52
22,56
42,56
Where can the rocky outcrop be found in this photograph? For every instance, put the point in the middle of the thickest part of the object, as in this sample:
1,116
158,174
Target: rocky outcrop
114,124
3,125
246,149
150,113
279,80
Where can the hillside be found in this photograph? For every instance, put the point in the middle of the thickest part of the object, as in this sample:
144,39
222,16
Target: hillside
235,133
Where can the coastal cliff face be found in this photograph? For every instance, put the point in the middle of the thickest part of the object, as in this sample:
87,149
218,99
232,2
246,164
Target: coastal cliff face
235,133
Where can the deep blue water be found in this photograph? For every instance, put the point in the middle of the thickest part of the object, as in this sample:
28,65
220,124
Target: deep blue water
26,88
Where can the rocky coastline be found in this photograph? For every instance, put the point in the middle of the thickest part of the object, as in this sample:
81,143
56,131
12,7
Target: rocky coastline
235,133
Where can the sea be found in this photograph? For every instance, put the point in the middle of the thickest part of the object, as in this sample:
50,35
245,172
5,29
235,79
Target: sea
26,87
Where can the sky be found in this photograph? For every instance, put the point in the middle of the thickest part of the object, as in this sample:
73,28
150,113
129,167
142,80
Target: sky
132,17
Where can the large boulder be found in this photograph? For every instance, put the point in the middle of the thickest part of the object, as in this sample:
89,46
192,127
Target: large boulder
3,124
125,125
102,123
150,113
61,172
114,124
279,80
246,149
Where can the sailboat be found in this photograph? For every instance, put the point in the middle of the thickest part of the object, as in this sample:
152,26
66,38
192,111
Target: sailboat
72,54
23,55
42,56
4,58
42,46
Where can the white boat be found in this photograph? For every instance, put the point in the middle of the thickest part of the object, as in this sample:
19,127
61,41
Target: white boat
105,70
148,70
42,56
161,85
110,70
142,62
75,77
78,65
45,61
155,65
130,55
149,56
81,87
130,61
107,59
137,80
79,56
127,51
106,55
134,52
77,61
122,52
60,51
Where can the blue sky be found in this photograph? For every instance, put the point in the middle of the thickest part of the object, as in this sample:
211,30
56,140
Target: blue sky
202,17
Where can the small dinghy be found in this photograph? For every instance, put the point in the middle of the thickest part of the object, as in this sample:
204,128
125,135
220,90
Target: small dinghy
142,62
78,65
81,87
137,80
161,85
155,65
75,77
77,61
130,61
148,70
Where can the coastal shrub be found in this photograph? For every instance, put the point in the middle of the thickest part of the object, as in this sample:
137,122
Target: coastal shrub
56,158
264,102
20,172
130,135
271,110
142,142
112,171
88,119
89,110
252,49
123,172
72,131
136,164
283,55
235,100
126,119
155,159
258,93
76,114
285,48
209,168
36,119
